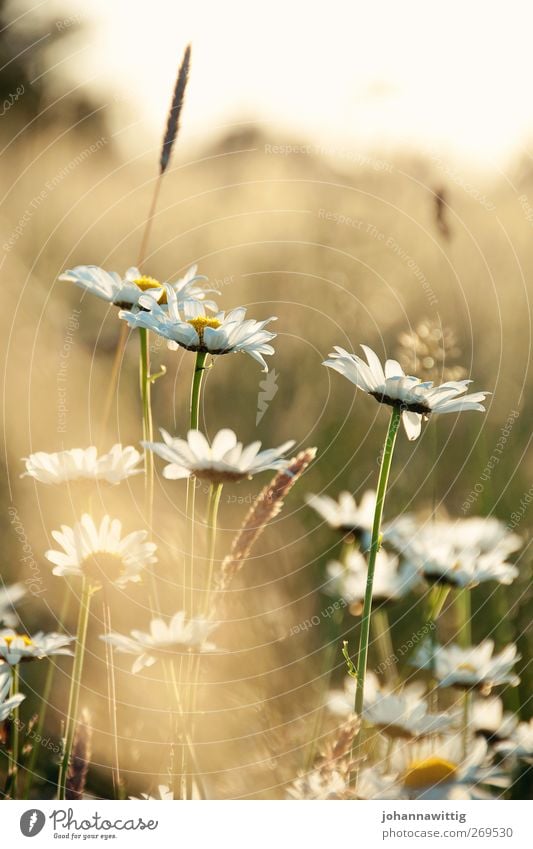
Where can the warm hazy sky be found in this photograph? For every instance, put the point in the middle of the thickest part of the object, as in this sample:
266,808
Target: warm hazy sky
455,75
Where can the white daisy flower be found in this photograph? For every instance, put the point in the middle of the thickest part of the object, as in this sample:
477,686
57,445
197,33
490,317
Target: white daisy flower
405,715
126,291
186,325
164,793
16,648
9,597
416,399
441,562
179,636
101,553
8,705
520,742
488,720
84,464
223,461
475,667
5,680
437,769
341,702
348,580
484,534
344,515
318,784
461,553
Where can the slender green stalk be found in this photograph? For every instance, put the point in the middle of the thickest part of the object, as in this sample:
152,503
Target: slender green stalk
196,388
215,491
70,727
362,657
188,744
112,701
464,608
381,628
45,701
148,431
197,379
194,419
13,762
463,603
437,596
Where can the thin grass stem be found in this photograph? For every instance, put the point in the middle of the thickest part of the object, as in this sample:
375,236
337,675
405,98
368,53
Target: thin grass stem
364,640
13,756
362,657
45,701
70,726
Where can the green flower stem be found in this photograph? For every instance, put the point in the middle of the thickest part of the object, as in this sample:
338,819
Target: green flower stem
74,696
437,596
118,785
362,657
464,609
148,431
463,603
145,379
194,419
196,389
381,628
215,491
45,701
197,379
171,675
13,764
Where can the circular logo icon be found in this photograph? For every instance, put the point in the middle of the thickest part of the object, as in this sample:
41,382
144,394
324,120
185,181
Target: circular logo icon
32,822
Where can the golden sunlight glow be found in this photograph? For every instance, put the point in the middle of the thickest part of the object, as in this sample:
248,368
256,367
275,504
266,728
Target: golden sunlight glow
357,77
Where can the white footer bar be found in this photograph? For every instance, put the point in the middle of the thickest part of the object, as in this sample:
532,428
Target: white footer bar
267,824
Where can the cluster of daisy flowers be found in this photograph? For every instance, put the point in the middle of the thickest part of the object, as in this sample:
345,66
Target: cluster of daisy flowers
417,751
96,551
413,750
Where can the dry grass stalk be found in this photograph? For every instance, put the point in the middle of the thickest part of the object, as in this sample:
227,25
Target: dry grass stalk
441,213
173,123
267,506
81,757
330,776
337,754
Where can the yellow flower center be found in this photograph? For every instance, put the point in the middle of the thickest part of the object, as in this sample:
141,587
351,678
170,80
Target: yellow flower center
201,323
429,771
9,639
145,283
